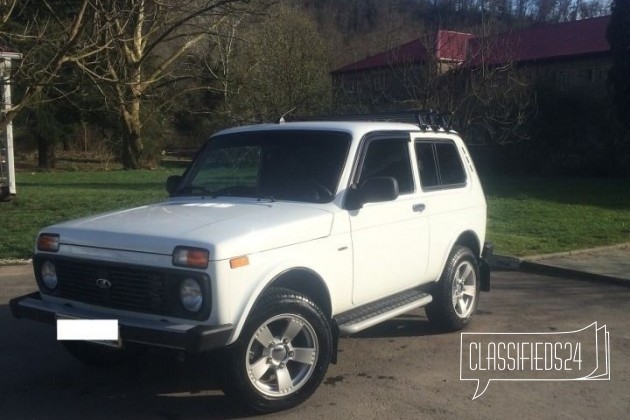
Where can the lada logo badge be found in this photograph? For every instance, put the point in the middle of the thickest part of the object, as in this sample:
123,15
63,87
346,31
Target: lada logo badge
103,284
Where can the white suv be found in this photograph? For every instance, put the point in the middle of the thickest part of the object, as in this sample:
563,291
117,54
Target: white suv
277,240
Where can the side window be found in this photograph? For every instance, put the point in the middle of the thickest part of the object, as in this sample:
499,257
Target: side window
451,169
388,158
439,165
426,165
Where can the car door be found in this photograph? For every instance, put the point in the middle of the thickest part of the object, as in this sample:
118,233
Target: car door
450,201
390,240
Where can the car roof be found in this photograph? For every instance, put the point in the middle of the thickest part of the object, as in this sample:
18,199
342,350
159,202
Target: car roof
356,128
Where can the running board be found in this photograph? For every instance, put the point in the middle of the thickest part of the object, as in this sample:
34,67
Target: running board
373,313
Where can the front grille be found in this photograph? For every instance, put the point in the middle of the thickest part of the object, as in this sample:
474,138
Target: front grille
125,287
133,289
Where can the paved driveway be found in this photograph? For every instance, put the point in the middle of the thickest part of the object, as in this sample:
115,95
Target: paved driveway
400,369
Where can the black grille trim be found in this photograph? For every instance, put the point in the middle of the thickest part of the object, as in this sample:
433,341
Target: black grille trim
133,287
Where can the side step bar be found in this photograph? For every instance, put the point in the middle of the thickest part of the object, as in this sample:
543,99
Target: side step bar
373,313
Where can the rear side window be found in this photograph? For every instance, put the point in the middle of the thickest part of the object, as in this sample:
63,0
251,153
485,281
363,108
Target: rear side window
426,165
451,168
440,165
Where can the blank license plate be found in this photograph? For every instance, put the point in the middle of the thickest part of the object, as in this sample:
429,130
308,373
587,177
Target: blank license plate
100,331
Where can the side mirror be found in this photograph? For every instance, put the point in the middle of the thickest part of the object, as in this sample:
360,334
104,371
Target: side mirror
171,183
373,190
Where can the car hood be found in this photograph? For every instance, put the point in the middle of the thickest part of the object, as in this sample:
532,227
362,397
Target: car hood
226,228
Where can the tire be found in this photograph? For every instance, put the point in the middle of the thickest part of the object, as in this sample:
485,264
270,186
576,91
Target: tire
282,353
102,356
456,294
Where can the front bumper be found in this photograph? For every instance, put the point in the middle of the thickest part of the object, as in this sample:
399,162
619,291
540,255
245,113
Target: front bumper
186,337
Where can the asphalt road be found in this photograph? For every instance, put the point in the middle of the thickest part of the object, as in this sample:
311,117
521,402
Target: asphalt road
400,369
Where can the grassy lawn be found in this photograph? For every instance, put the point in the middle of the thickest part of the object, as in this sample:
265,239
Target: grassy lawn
529,216
44,198
526,215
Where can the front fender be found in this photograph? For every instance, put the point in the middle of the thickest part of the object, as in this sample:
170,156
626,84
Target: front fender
242,312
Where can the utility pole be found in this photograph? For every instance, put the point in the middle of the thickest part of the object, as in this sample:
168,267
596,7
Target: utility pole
7,163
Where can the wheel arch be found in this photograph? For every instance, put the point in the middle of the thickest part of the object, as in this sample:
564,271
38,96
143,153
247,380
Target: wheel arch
307,282
299,279
470,240
467,238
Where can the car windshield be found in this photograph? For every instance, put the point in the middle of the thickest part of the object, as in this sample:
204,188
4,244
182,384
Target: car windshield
277,165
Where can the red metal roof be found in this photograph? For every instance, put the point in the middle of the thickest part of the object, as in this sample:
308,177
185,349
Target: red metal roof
559,40
411,52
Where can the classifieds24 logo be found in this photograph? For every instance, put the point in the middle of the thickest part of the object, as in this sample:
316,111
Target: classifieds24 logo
554,356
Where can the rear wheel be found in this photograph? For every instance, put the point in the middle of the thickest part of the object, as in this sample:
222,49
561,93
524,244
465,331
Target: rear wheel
282,354
456,294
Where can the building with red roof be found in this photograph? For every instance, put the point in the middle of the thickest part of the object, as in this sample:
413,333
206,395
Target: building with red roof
411,52
566,53
567,40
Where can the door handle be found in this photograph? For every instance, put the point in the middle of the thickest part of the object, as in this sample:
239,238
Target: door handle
419,208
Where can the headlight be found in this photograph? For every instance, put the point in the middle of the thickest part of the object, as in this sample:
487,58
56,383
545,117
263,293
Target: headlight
49,275
190,295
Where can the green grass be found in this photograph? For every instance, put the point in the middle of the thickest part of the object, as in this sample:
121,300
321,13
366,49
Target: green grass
526,216
530,216
44,198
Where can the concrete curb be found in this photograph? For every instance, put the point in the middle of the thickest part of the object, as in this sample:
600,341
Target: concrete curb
8,262
577,252
536,264
504,263
550,270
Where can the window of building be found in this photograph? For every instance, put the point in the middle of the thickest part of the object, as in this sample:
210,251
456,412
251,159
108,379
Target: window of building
600,75
561,77
590,76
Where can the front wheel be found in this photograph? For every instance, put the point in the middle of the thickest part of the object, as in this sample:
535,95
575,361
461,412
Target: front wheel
282,354
456,294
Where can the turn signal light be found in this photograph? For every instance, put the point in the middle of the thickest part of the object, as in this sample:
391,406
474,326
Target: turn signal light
48,242
239,262
191,257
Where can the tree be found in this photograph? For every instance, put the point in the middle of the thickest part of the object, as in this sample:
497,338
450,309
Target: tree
50,35
281,66
144,39
618,35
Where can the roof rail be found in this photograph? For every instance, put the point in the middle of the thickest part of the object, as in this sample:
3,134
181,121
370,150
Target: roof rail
426,120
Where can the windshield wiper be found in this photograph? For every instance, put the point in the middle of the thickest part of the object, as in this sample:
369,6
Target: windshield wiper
266,197
225,191
231,191
194,189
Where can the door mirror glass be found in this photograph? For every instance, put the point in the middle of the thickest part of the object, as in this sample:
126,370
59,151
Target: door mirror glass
373,190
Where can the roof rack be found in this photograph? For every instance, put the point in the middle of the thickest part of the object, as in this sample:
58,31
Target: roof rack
426,120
